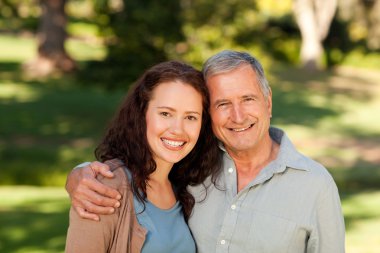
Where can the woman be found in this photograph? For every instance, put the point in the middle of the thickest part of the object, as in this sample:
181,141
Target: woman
159,142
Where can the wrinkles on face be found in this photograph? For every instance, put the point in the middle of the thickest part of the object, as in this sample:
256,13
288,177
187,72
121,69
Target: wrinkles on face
240,113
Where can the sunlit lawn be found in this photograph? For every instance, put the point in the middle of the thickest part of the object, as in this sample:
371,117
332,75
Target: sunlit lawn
362,218
48,126
33,219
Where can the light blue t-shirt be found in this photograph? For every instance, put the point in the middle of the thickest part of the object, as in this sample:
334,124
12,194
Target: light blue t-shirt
167,230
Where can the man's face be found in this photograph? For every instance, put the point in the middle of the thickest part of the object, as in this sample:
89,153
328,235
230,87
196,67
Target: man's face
239,111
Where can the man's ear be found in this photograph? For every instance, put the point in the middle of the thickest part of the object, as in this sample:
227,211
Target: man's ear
269,102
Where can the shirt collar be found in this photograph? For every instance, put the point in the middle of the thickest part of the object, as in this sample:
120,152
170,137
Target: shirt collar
288,156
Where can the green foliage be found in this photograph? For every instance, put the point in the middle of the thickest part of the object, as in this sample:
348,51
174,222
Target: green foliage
338,43
18,15
139,35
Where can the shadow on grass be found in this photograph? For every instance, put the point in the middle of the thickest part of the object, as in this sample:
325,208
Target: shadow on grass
361,175
48,126
360,207
10,66
290,98
293,87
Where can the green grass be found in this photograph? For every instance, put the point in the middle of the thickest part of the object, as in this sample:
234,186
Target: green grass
363,60
17,49
361,211
49,125
46,128
330,117
33,219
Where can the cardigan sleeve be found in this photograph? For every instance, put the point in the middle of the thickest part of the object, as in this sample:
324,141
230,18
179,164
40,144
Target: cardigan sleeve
96,236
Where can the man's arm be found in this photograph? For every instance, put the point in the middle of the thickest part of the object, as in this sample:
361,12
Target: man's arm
89,197
329,235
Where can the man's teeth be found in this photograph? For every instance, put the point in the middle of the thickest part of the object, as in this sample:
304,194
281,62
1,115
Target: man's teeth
240,129
173,143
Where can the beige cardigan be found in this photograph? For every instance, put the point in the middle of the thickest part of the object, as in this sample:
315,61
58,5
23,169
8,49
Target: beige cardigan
115,233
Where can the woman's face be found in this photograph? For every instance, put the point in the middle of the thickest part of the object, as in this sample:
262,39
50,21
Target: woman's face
173,120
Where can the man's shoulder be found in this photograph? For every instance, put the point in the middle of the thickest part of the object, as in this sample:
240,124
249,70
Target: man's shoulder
315,170
293,158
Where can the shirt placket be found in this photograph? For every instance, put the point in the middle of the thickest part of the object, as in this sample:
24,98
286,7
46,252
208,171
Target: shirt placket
234,202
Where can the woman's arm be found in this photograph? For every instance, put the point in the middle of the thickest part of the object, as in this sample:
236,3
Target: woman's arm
85,235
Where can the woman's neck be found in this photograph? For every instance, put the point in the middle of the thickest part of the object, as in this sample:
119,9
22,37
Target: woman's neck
159,188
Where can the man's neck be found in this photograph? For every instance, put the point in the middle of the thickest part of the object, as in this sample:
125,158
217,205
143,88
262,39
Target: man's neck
250,163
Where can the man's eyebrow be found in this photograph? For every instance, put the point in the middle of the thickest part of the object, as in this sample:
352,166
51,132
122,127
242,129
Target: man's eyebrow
249,96
218,101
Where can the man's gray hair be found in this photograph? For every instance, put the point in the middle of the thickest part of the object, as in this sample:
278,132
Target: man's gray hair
228,60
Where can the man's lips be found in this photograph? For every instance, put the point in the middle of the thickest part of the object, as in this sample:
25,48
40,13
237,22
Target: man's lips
241,129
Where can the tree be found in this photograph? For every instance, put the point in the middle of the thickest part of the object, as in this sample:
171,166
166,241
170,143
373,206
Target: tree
313,18
363,14
51,36
138,34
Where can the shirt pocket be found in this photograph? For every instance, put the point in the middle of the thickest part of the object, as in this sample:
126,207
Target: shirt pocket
270,234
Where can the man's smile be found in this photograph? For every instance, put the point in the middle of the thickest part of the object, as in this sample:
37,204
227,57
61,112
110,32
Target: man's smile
241,129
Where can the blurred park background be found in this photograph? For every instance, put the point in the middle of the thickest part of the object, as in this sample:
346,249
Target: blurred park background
66,64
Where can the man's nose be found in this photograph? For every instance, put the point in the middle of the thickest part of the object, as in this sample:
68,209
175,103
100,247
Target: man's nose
237,114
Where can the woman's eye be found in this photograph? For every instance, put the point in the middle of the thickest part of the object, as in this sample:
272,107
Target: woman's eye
165,114
192,118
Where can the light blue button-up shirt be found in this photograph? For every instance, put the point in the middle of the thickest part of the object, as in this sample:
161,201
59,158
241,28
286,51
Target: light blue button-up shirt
292,206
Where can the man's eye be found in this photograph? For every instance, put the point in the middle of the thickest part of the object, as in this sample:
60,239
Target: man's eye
222,105
248,99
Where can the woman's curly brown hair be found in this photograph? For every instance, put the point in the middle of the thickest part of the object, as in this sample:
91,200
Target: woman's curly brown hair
125,138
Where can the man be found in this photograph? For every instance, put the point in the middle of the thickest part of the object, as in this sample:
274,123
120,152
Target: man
267,196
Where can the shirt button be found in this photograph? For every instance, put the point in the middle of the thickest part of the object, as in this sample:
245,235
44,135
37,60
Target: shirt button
230,170
233,207
223,242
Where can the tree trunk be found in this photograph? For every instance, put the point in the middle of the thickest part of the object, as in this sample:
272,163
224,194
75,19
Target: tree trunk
373,38
313,18
52,56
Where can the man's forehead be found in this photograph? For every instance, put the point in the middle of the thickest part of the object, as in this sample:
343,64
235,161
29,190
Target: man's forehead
234,79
